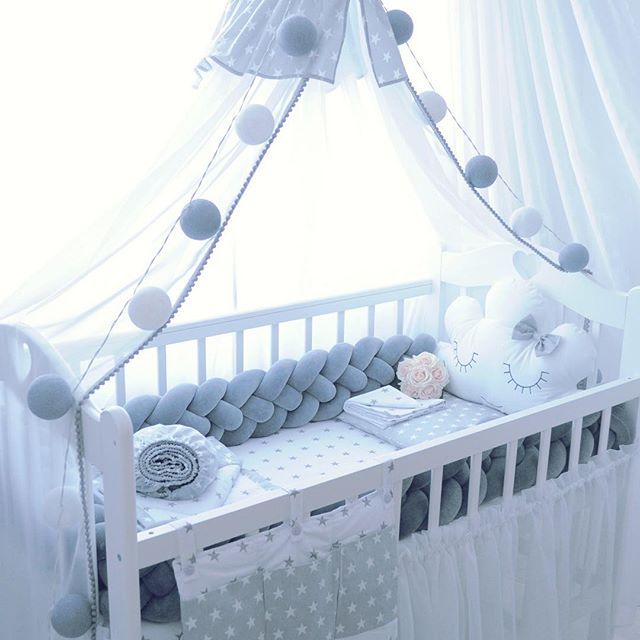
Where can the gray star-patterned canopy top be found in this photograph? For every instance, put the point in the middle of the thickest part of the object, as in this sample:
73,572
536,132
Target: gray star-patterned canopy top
246,43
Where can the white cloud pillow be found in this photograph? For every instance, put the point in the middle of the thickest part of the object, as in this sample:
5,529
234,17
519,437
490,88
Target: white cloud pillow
511,357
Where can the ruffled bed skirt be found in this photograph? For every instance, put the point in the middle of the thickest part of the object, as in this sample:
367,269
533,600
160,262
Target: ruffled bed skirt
556,563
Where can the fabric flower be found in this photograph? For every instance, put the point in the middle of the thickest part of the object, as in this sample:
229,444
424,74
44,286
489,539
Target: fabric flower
422,376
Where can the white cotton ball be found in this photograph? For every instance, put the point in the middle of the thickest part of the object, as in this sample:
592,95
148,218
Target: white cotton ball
526,221
150,308
62,508
255,124
435,104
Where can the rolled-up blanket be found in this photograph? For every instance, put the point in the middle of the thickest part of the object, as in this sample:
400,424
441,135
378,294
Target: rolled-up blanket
173,461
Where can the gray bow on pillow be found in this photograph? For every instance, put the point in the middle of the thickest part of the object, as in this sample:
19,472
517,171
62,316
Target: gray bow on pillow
527,329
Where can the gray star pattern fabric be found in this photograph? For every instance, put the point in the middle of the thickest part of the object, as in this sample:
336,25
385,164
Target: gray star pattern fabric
385,57
367,597
342,592
233,611
246,43
458,414
301,601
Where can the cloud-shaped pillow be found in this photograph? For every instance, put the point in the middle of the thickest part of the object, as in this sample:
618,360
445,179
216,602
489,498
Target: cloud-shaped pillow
511,357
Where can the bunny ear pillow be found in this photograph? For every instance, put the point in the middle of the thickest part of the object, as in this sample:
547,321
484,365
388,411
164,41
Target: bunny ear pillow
513,356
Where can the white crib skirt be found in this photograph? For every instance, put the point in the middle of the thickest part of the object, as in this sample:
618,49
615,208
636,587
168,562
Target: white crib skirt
551,563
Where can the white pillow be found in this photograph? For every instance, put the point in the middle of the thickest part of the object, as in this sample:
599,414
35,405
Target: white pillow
511,357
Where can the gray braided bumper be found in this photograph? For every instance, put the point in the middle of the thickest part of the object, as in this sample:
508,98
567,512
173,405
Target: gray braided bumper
291,393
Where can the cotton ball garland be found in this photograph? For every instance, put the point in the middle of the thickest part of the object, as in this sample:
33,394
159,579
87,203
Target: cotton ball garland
255,124
435,104
71,616
526,221
297,36
200,219
481,171
150,308
49,397
401,25
574,257
62,508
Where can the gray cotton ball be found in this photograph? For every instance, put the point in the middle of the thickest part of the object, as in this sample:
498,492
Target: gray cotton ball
297,36
481,171
401,25
71,616
200,219
573,257
49,397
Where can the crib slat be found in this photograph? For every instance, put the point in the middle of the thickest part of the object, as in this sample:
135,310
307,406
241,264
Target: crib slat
474,484
371,319
121,388
239,352
510,469
576,438
543,457
400,317
162,370
275,342
308,334
340,332
605,424
202,360
592,380
435,496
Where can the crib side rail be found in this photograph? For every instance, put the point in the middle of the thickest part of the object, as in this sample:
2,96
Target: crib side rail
221,524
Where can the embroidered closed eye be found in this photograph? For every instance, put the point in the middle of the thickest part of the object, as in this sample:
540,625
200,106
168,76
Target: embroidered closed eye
463,367
524,387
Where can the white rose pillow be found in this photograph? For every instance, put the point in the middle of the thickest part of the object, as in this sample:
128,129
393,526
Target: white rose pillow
512,356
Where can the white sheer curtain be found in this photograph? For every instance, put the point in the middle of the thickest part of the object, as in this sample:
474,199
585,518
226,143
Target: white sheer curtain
550,90
545,565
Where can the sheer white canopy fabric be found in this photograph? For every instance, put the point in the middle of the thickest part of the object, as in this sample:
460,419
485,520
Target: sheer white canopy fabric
550,90
354,192
548,564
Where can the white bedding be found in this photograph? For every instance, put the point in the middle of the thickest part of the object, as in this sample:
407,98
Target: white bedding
314,451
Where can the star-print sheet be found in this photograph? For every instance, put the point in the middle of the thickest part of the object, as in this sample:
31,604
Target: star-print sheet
456,415
324,577
317,450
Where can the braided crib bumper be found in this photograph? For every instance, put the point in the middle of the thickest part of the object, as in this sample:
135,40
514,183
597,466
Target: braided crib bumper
289,394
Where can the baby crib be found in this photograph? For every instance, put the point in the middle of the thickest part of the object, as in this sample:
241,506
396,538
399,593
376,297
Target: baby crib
108,433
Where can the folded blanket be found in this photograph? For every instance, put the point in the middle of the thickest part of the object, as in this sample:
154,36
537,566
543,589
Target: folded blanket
386,407
175,462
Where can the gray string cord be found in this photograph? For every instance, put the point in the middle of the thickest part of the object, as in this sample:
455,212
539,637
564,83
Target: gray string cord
156,255
475,148
459,125
79,435
89,542
177,220
485,203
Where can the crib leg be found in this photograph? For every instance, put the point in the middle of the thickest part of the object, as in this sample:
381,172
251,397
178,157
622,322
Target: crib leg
120,520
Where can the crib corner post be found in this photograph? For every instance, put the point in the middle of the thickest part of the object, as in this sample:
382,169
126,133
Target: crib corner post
120,524
630,357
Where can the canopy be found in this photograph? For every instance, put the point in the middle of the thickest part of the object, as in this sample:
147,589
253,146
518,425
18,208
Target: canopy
353,190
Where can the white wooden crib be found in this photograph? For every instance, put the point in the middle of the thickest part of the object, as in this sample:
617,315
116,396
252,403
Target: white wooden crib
108,433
